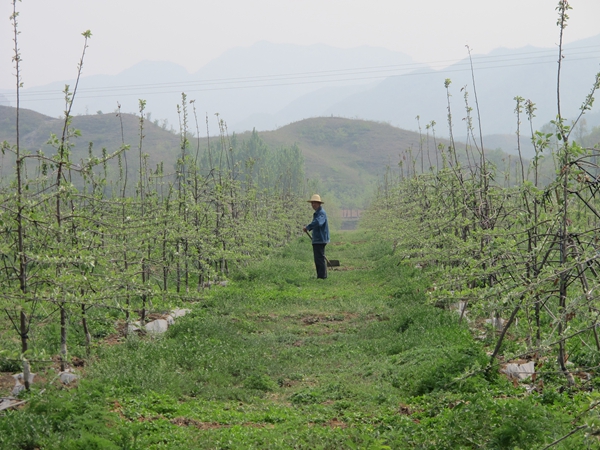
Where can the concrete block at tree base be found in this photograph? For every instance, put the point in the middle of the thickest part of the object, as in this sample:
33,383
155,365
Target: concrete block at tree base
67,377
157,326
133,327
20,378
460,308
496,322
17,389
8,402
519,371
176,313
19,382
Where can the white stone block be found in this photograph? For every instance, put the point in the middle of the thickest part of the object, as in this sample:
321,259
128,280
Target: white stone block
157,327
179,313
67,377
520,371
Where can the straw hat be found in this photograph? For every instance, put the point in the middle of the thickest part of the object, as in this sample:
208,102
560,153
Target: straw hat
316,198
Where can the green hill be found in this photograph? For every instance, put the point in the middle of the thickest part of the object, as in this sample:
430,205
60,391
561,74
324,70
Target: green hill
107,131
347,156
350,156
344,158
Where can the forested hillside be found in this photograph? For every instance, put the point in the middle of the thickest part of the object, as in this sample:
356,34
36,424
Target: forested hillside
344,158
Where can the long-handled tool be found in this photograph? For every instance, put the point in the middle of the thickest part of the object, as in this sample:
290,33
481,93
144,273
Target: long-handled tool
330,263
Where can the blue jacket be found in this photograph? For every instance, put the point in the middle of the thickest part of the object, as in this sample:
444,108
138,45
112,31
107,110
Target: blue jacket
319,227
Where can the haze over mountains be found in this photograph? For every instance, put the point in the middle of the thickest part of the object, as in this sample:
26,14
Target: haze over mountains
266,86
261,79
344,159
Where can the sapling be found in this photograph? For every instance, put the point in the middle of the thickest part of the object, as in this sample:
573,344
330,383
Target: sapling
142,186
20,202
470,141
562,134
64,164
182,167
452,147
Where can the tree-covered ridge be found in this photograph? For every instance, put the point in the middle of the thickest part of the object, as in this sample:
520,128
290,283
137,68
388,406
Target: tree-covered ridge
343,158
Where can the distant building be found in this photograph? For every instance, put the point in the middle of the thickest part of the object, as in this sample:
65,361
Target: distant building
351,213
350,218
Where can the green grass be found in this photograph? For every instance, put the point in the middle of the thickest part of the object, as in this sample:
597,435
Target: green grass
278,359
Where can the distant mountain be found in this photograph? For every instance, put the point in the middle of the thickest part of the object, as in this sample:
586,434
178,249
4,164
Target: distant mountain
354,149
349,157
266,86
303,107
99,130
499,77
258,80
508,143
346,158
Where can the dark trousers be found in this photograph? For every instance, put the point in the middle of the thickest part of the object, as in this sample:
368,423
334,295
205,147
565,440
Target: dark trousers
320,261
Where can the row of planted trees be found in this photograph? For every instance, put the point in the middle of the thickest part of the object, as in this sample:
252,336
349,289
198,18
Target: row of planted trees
82,235
527,255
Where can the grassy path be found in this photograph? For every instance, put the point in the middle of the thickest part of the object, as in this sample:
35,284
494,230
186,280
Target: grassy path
278,359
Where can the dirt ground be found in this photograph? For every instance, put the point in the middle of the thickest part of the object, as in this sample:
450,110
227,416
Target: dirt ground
7,382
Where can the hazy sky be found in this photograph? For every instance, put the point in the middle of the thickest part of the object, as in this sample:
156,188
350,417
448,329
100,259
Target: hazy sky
191,33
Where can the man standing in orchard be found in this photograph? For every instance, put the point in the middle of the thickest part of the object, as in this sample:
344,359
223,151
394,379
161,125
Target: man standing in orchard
320,235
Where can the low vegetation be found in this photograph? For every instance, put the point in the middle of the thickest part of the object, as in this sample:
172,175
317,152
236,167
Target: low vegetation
278,359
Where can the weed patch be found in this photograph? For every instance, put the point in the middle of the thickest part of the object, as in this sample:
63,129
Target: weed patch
277,360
